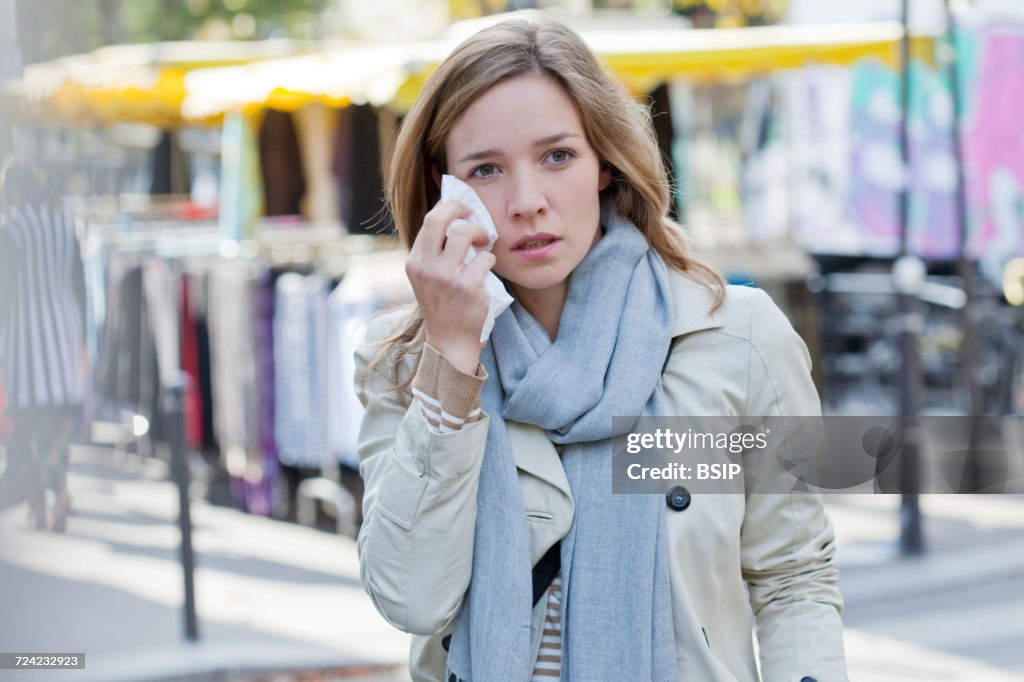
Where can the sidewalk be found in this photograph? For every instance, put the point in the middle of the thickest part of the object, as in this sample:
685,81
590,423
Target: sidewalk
954,614
275,597
271,596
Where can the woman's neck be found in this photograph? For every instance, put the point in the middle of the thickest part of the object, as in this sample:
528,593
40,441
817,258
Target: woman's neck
545,305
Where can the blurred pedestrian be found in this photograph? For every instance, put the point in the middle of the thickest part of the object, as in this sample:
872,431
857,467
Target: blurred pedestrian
42,340
483,459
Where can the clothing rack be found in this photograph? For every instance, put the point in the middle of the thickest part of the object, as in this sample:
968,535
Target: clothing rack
172,249
199,255
309,245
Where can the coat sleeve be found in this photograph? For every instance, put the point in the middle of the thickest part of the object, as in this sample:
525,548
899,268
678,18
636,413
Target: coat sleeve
788,544
419,506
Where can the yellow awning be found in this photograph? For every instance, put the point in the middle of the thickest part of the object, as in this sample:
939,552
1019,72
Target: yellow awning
393,75
133,83
644,60
174,83
334,77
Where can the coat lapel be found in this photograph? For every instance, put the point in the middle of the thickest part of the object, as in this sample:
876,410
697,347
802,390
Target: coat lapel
536,455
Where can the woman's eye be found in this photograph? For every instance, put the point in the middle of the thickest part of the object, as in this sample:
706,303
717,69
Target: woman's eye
560,155
485,171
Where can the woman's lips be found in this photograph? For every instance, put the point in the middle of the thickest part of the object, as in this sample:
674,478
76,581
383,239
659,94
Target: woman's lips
536,248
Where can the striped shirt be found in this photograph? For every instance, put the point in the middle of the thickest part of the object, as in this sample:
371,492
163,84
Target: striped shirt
439,418
449,399
549,660
42,306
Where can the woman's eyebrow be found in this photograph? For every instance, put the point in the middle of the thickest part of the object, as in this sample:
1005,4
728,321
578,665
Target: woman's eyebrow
551,139
542,142
482,154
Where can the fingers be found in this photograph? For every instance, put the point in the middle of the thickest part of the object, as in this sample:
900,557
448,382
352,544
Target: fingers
476,270
435,268
431,237
460,236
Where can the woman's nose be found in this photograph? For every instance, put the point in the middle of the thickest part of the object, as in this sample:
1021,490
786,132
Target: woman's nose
526,198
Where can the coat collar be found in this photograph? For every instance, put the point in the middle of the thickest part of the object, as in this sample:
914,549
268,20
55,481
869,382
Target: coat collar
691,305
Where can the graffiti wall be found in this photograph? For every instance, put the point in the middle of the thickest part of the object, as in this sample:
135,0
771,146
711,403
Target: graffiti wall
846,170
994,134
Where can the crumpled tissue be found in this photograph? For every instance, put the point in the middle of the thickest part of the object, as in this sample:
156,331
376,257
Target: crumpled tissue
497,298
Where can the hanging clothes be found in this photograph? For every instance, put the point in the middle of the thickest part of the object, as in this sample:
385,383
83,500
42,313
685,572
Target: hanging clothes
260,491
357,165
284,179
347,329
161,287
126,368
239,319
190,367
314,124
233,363
205,368
300,334
373,282
195,303
341,164
94,262
240,195
170,167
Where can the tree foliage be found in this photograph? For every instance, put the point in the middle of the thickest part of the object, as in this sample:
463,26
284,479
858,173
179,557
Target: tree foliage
53,28
731,13
149,20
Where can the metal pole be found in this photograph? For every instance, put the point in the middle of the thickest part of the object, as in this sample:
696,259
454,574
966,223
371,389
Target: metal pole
174,412
969,347
911,536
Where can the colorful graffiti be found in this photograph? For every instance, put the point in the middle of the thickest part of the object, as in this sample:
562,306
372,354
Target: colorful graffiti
876,175
864,188
995,151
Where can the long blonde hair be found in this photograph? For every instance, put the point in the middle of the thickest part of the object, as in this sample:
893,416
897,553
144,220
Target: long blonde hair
617,127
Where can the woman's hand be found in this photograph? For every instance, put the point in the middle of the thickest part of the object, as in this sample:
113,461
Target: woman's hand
451,295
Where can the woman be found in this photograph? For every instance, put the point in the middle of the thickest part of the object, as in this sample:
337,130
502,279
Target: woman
487,465
42,343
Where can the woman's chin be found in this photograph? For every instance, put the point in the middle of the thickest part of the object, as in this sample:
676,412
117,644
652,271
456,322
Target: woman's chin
525,286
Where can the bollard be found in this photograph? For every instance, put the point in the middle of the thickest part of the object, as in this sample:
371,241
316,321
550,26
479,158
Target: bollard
174,414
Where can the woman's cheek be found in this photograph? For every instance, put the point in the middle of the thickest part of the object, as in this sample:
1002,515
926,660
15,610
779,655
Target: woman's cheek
500,264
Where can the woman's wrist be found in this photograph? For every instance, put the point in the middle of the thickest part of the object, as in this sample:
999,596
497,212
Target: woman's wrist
465,359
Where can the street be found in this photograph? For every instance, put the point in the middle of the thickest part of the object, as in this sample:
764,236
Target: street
278,598
953,614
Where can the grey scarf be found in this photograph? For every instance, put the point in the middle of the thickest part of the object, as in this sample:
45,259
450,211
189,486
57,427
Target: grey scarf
616,605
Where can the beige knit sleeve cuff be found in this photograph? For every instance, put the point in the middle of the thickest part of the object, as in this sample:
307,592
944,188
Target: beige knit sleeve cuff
448,397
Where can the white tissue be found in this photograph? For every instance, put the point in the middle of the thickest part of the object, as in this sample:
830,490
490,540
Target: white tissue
497,298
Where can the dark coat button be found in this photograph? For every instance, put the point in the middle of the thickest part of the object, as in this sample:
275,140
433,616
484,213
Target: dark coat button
808,679
446,642
678,498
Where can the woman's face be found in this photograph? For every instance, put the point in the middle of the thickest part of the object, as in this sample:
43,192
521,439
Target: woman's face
522,148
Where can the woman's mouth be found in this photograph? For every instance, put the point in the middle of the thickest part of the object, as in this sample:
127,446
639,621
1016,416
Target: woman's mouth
535,248
536,244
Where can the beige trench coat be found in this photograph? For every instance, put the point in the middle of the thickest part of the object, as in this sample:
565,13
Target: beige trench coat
739,563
